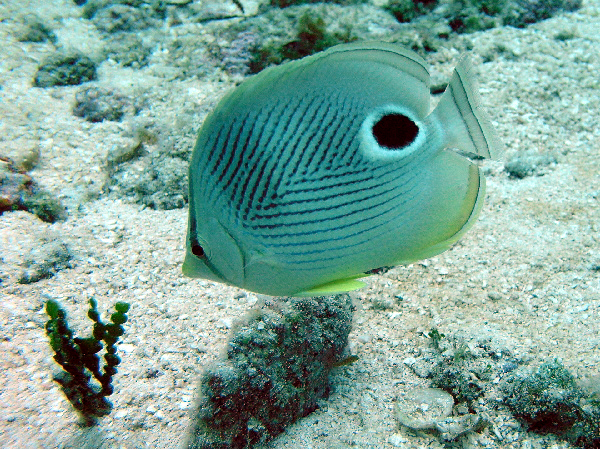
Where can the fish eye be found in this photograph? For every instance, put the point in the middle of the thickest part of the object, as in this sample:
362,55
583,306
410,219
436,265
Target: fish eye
395,131
197,250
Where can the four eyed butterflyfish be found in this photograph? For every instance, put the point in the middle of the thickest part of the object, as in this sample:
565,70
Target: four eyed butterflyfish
312,174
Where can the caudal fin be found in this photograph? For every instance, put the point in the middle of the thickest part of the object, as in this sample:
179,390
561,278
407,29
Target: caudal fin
466,125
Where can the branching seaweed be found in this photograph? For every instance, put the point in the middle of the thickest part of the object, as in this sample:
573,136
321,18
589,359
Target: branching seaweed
80,361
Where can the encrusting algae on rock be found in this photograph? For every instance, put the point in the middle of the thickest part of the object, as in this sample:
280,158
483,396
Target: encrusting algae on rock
275,371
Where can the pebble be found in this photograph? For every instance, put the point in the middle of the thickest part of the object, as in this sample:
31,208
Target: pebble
169,358
451,428
199,347
225,323
364,338
397,440
494,296
422,408
127,348
120,414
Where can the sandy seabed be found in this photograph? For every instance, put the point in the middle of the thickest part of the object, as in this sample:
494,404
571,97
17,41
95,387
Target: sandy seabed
524,276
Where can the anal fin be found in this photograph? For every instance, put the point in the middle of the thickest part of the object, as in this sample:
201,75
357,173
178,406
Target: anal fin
334,287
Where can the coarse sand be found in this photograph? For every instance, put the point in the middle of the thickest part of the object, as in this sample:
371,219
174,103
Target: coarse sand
527,275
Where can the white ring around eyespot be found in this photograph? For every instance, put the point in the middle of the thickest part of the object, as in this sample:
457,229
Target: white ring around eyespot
373,151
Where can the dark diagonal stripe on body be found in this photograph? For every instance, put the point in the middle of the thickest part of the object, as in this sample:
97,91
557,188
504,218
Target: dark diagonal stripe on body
304,126
281,146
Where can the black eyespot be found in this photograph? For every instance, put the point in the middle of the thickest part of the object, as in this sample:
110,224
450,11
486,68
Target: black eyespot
197,250
395,131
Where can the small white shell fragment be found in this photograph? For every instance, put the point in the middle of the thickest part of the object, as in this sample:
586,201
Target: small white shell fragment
397,440
422,408
452,427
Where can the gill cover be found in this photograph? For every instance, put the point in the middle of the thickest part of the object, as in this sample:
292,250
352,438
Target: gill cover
212,253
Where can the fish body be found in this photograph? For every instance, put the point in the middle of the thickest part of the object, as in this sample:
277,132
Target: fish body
311,174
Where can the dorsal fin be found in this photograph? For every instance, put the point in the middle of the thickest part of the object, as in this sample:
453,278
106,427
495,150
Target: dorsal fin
404,59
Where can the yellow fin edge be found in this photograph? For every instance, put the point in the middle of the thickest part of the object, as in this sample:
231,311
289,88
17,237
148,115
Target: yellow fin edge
331,288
